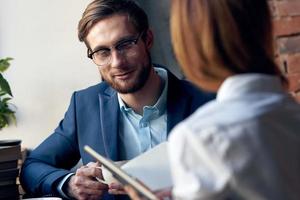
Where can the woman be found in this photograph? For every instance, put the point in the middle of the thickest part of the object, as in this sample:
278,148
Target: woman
246,143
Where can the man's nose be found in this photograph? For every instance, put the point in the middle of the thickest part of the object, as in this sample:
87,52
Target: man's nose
117,59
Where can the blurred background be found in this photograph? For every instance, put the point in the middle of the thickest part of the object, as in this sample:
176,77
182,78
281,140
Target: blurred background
50,63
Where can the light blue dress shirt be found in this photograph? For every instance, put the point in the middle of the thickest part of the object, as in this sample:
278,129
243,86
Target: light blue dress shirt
139,133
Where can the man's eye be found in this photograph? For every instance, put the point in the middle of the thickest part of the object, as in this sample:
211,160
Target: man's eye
125,45
102,53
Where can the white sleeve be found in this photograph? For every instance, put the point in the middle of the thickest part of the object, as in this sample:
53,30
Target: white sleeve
197,172
213,162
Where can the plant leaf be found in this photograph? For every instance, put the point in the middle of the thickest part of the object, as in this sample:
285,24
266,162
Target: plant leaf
7,110
12,118
4,64
4,85
3,121
5,100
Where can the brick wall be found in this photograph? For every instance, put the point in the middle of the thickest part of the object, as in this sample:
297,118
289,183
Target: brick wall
286,15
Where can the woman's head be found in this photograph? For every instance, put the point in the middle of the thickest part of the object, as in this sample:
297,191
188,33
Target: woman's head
214,39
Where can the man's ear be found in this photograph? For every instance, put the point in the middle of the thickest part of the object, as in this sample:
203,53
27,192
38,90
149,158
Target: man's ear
149,39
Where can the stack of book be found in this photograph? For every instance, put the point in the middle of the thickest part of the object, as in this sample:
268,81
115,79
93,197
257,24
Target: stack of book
10,153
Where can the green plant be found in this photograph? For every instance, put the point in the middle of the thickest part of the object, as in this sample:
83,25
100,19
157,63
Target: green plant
7,110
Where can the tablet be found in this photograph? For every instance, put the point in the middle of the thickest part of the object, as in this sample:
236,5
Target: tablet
121,175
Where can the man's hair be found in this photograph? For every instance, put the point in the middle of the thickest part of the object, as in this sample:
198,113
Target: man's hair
101,9
212,38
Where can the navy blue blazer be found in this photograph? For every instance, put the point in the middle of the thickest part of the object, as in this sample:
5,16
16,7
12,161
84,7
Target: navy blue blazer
92,119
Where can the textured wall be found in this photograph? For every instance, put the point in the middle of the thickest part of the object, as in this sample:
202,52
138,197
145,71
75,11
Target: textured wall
286,15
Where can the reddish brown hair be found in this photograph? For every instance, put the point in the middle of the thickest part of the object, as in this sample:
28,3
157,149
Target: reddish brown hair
215,38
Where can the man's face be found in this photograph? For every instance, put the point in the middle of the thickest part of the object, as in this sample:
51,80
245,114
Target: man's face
126,74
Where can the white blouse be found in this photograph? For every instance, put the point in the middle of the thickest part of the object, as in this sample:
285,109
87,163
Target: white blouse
245,144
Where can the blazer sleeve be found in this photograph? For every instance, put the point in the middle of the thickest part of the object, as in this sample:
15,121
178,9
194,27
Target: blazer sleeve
53,158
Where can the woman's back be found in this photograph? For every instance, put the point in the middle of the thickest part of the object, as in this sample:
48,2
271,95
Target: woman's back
246,143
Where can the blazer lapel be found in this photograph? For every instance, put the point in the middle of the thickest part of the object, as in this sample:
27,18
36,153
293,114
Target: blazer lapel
177,102
109,111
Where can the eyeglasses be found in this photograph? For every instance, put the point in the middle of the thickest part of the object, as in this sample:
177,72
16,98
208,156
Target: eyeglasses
125,47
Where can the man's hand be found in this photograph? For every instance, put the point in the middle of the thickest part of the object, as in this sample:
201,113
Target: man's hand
83,185
116,189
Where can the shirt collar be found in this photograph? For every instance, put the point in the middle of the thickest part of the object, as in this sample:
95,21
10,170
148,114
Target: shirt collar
243,84
161,103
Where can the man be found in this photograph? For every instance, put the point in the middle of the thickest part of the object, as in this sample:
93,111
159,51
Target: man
131,111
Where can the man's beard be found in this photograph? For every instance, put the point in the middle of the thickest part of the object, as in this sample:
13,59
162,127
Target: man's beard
132,85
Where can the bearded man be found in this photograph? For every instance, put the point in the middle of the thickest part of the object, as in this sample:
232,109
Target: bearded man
132,110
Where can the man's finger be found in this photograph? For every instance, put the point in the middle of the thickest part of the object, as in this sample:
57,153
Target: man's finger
91,170
116,192
94,184
115,188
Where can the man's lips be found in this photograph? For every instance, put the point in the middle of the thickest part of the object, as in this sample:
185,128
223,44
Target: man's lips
123,75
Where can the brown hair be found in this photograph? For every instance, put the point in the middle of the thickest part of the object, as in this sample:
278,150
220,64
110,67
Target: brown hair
215,38
100,9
